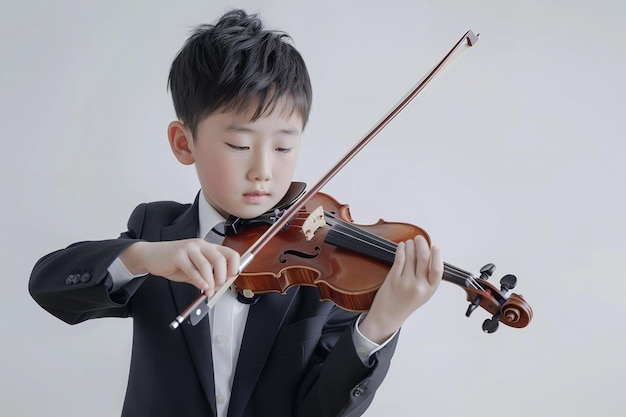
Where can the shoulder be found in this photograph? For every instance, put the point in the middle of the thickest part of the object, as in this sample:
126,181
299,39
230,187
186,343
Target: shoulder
161,213
162,209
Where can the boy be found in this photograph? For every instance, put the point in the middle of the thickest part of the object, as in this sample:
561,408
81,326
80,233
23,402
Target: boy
242,96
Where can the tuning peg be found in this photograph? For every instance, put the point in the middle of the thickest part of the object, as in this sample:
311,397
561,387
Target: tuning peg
492,324
472,306
486,271
508,282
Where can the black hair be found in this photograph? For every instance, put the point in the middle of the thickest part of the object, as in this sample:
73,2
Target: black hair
227,65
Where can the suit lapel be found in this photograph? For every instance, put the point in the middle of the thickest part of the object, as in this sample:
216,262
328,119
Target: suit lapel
197,337
264,321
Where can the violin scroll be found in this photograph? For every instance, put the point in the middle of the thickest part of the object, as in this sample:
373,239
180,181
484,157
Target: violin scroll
513,311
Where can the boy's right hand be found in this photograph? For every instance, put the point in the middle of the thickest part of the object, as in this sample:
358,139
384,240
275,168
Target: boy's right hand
195,261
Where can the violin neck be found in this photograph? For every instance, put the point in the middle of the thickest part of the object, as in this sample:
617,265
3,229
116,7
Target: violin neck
457,276
350,237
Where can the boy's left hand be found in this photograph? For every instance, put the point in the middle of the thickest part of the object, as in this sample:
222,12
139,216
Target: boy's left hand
411,281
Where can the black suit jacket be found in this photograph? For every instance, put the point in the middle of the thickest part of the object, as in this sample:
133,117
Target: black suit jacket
297,356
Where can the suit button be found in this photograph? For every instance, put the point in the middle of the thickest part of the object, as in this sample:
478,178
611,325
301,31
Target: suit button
69,279
75,278
85,277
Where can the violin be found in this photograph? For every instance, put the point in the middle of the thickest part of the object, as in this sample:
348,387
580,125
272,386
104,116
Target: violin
348,263
311,239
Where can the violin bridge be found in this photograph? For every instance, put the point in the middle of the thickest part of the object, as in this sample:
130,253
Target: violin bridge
313,222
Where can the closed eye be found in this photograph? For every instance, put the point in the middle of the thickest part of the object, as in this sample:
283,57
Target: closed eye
238,148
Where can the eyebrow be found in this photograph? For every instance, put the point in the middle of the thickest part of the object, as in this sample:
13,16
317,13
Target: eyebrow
240,128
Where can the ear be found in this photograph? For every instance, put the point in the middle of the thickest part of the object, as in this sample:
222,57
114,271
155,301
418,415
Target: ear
181,142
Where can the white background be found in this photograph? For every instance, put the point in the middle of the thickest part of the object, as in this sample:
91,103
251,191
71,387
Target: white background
513,156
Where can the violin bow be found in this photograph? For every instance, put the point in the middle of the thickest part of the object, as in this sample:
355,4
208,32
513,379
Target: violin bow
198,308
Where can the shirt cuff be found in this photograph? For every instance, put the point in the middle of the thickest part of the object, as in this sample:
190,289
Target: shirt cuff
365,348
120,275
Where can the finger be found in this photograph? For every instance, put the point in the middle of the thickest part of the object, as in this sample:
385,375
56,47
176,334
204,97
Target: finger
436,267
194,276
422,254
233,260
205,267
218,262
398,261
411,258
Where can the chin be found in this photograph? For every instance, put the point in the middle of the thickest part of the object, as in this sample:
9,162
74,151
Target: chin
251,212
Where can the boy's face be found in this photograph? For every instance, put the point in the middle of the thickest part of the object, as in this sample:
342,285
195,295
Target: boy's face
246,167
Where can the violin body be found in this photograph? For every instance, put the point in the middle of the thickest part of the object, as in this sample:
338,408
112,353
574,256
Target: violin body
342,276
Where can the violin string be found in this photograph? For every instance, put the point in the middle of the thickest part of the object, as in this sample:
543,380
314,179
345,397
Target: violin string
379,244
453,273
471,279
389,247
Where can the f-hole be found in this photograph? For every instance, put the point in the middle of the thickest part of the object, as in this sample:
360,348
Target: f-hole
299,254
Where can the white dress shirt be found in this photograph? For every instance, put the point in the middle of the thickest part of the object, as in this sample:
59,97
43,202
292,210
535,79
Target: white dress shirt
227,320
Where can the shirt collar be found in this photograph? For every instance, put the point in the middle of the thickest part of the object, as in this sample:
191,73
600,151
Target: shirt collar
207,215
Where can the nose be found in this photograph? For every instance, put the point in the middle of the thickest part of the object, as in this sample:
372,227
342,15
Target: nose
260,166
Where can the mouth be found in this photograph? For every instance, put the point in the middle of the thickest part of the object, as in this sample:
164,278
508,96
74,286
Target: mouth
256,197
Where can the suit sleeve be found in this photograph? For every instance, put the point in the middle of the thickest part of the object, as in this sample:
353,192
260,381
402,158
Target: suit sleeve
74,285
339,383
